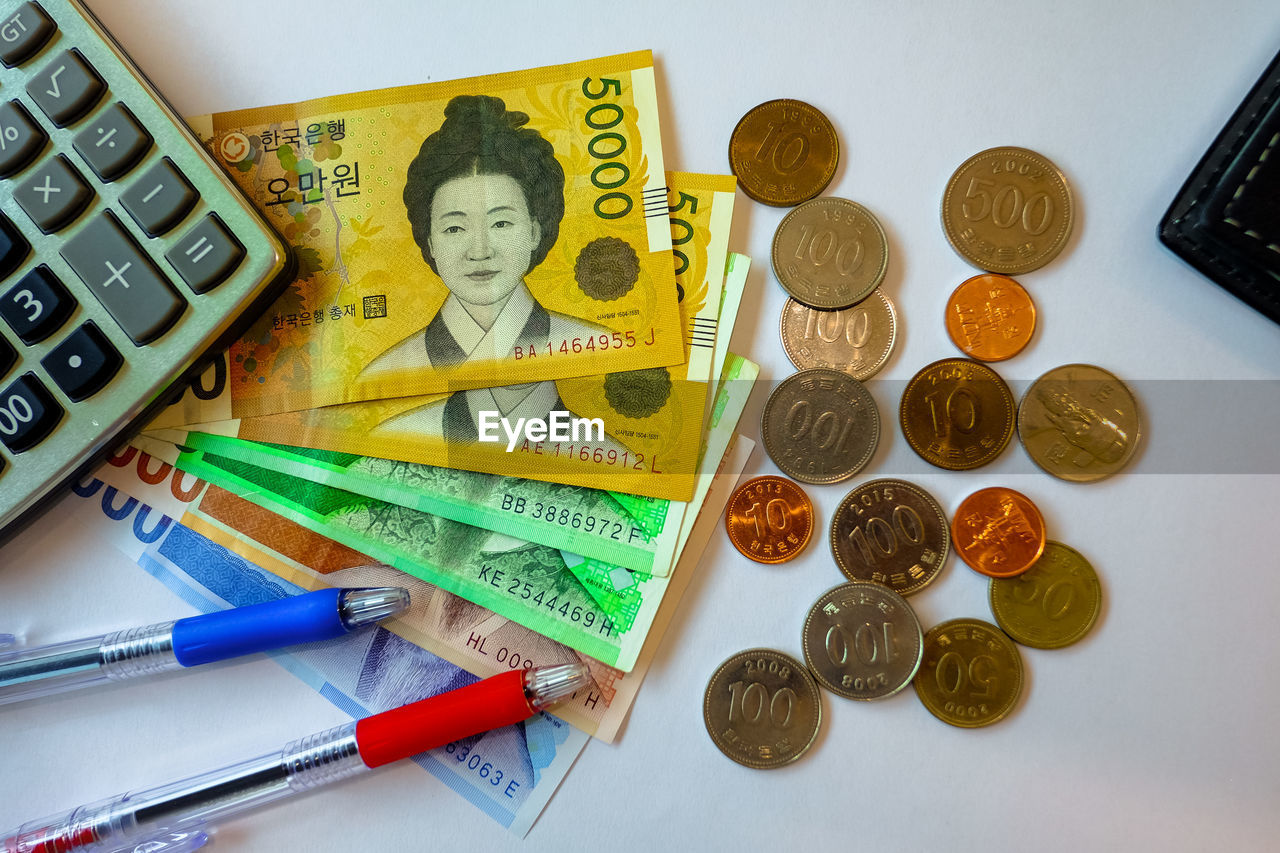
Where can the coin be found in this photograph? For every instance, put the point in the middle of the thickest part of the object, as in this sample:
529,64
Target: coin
820,426
762,708
1052,604
830,253
971,673
990,317
890,532
1079,423
1007,210
957,414
783,152
862,641
769,519
998,532
856,340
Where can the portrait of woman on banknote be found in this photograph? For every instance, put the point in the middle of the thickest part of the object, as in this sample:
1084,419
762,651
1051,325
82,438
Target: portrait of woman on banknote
484,197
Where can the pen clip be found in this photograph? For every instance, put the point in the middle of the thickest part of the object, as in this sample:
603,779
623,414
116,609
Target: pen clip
168,841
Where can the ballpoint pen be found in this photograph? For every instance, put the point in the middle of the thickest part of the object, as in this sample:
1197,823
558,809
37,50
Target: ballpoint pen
320,615
174,817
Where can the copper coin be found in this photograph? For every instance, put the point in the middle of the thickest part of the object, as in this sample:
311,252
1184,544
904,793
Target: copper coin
998,532
890,532
830,253
971,674
769,519
783,152
1007,210
1079,422
820,426
957,414
991,317
762,708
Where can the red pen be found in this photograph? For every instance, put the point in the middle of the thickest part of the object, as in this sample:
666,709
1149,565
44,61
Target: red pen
174,817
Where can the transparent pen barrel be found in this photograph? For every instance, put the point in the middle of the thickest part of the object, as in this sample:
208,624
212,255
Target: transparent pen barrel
27,674
130,819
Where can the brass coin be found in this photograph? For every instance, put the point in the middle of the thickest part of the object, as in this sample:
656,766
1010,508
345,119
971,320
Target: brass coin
820,426
783,152
971,674
1052,604
998,532
1007,210
769,519
830,253
890,532
957,414
1079,423
990,317
762,708
862,641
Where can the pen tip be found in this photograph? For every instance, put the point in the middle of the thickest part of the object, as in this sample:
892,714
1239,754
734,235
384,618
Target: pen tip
359,607
548,685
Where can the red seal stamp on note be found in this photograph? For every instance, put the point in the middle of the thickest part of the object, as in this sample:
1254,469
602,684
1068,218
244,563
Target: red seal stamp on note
234,147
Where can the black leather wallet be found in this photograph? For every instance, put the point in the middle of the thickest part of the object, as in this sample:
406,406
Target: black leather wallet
1225,220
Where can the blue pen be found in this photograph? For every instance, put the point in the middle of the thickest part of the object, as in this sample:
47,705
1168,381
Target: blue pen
28,673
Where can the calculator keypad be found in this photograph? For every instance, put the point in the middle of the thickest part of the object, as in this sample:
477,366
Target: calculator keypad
110,194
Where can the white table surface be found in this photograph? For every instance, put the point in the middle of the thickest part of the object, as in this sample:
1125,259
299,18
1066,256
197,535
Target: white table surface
1156,732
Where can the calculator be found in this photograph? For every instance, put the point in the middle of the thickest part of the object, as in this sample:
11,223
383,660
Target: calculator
127,258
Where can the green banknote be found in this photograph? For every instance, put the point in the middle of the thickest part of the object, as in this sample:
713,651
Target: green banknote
521,581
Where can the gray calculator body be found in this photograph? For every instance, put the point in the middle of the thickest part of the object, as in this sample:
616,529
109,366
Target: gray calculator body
127,256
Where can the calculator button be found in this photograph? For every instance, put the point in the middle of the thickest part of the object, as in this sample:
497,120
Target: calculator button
37,305
113,143
54,195
66,88
21,139
83,363
206,255
123,278
13,247
8,357
28,413
23,33
159,198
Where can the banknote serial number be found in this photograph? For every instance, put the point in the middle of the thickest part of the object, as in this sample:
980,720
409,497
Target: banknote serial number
518,587
568,517
475,763
590,453
593,343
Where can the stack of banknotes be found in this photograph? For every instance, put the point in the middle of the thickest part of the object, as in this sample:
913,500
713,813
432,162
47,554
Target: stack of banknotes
501,379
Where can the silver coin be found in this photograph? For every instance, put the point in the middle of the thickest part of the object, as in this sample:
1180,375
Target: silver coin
820,426
890,532
856,341
830,253
862,641
762,708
